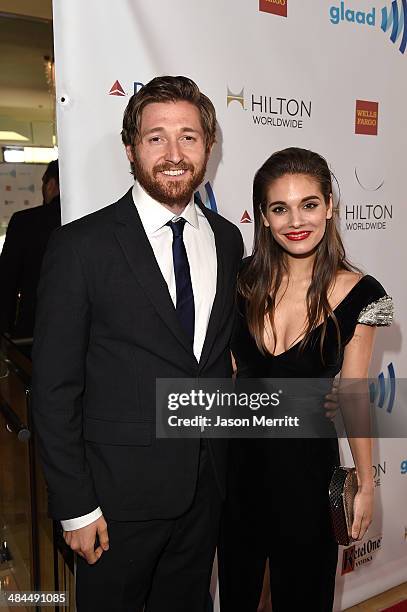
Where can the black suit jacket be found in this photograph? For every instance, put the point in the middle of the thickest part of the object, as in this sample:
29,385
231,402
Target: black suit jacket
20,264
106,329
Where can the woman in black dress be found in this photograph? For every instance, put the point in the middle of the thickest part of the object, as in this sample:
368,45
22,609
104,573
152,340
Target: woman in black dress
303,312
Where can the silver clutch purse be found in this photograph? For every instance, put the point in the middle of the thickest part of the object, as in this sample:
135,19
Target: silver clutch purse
342,491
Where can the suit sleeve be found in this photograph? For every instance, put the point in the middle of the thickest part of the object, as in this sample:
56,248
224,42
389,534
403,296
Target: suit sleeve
10,272
59,356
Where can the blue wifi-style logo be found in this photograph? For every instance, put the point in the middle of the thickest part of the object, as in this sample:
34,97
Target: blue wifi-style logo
384,392
210,201
395,18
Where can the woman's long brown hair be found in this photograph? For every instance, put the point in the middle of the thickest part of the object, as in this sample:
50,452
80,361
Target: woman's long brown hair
261,278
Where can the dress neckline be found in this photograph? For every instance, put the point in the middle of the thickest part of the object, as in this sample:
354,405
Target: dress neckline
319,325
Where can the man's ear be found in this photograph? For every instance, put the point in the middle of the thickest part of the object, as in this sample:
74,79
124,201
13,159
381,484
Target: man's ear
129,153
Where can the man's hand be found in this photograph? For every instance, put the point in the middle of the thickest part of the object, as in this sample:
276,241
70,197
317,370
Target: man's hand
82,541
332,401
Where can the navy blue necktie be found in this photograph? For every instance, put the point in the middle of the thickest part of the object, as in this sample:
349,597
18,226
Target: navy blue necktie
185,306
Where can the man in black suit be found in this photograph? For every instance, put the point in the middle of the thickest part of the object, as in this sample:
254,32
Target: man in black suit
139,290
20,260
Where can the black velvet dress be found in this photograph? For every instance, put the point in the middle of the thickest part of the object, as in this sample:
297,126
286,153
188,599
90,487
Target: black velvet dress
277,505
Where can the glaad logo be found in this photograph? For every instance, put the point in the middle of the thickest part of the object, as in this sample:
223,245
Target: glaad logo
360,554
276,7
341,13
210,201
403,467
396,19
8,173
382,392
275,111
231,97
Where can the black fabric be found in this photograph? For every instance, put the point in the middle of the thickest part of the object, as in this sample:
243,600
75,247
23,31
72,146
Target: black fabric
106,328
277,502
165,563
185,306
27,236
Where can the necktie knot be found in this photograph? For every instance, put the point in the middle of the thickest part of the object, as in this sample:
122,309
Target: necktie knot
177,227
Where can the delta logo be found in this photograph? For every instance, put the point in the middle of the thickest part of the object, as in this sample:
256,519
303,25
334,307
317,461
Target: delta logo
393,19
117,89
366,117
276,7
246,218
357,555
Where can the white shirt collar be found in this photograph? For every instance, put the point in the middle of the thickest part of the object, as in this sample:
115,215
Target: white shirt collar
154,215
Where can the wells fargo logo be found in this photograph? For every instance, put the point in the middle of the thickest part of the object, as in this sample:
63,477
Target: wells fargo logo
277,7
366,117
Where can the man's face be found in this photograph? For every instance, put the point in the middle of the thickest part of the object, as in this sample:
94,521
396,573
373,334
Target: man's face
49,189
171,156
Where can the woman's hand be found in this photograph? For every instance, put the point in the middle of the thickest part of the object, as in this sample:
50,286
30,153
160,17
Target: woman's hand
363,511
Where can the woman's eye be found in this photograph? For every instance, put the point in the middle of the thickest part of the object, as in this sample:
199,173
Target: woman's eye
278,210
311,205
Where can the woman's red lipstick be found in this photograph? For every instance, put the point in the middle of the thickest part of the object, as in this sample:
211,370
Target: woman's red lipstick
297,235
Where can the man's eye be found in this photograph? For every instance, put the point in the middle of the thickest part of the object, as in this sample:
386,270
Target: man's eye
189,138
155,139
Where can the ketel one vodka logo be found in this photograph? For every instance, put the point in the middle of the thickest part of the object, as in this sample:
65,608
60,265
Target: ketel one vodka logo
360,554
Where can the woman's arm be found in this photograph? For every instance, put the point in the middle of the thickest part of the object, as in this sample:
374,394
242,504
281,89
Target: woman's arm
356,363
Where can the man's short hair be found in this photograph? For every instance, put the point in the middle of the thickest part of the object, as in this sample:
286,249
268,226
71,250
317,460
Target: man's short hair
52,172
168,89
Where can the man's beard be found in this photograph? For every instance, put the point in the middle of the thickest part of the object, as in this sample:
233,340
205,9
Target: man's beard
170,193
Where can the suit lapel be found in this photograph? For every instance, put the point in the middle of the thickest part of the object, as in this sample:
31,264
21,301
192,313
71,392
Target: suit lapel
140,256
217,308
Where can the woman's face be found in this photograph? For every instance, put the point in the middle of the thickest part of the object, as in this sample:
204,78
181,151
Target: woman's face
296,213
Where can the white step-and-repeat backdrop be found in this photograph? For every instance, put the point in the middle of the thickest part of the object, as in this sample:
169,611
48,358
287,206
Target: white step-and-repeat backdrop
326,75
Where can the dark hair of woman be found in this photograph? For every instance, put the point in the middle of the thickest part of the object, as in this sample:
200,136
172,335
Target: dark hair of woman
261,278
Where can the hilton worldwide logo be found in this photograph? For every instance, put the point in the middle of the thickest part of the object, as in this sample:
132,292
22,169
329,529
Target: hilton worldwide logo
270,111
373,215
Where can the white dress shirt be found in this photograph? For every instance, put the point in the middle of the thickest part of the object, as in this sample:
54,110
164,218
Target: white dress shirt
201,252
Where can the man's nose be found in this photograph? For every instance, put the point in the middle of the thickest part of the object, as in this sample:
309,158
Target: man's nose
174,152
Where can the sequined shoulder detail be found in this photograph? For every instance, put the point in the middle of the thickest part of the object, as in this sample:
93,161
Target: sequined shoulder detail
380,312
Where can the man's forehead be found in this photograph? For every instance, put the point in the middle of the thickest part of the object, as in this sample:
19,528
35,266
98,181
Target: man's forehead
180,112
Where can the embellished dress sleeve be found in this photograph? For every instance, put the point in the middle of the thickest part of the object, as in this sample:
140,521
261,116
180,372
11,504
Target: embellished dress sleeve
379,312
368,304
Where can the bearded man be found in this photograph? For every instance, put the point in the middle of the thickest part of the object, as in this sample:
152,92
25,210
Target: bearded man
139,290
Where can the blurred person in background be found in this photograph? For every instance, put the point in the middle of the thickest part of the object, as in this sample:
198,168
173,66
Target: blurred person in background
21,258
